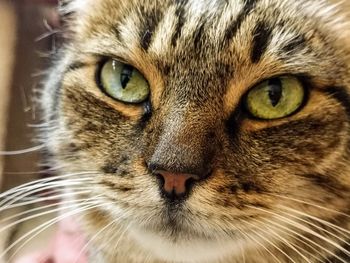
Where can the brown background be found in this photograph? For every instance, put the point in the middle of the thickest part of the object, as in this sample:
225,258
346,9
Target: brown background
29,22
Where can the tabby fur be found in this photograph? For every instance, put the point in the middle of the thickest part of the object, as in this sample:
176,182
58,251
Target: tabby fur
278,190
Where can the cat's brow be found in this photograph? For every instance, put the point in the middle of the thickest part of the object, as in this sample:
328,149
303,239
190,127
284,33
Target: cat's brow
180,13
261,38
151,20
296,43
233,28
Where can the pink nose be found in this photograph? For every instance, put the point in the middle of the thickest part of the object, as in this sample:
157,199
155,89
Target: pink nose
176,182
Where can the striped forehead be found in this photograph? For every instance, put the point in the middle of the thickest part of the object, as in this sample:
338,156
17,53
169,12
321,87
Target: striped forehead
161,28
228,31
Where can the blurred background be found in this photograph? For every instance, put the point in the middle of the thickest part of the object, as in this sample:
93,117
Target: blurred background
28,38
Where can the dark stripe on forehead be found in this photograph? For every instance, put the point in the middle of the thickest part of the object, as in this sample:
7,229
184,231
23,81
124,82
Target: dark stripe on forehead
116,31
198,34
296,43
150,22
341,95
261,39
231,31
180,14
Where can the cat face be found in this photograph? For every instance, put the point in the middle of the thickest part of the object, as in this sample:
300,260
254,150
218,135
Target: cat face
204,75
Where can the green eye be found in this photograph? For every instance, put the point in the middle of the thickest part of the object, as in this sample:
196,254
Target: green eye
275,98
123,82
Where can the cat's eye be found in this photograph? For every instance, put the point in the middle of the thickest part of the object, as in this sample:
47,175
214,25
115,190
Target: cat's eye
275,98
123,82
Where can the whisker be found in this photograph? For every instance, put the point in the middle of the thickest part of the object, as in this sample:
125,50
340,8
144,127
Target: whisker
320,220
42,171
43,227
259,243
311,204
306,238
300,240
44,180
93,238
38,125
47,34
270,242
292,246
39,215
40,188
305,229
318,227
49,198
24,151
24,192
121,236
30,211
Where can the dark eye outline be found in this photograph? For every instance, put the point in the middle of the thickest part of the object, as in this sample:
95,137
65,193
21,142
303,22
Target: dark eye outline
98,80
305,82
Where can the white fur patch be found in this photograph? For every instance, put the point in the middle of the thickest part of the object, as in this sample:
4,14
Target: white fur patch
191,251
77,6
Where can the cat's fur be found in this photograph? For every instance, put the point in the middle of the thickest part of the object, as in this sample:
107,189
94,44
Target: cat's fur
279,190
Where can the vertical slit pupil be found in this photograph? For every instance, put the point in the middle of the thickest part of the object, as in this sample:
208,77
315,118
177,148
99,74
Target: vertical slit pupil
126,75
275,91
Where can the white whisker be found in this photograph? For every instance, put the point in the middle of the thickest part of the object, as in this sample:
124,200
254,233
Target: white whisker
30,211
285,241
8,201
24,151
268,241
300,240
88,206
39,215
311,204
305,229
93,238
319,220
44,180
49,198
306,238
260,244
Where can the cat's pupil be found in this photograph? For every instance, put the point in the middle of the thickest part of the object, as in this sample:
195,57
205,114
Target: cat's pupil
126,75
275,91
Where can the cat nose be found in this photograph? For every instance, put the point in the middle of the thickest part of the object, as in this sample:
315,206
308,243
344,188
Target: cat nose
175,185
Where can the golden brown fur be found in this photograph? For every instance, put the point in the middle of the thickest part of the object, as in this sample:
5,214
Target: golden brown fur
278,190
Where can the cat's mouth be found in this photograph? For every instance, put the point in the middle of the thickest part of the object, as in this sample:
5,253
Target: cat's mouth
177,222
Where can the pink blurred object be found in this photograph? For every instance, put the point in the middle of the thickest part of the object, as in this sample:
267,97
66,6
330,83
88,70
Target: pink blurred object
67,246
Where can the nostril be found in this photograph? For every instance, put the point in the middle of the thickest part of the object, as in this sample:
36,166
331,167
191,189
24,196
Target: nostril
190,183
152,167
160,179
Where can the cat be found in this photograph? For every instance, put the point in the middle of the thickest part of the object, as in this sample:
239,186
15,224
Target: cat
204,130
